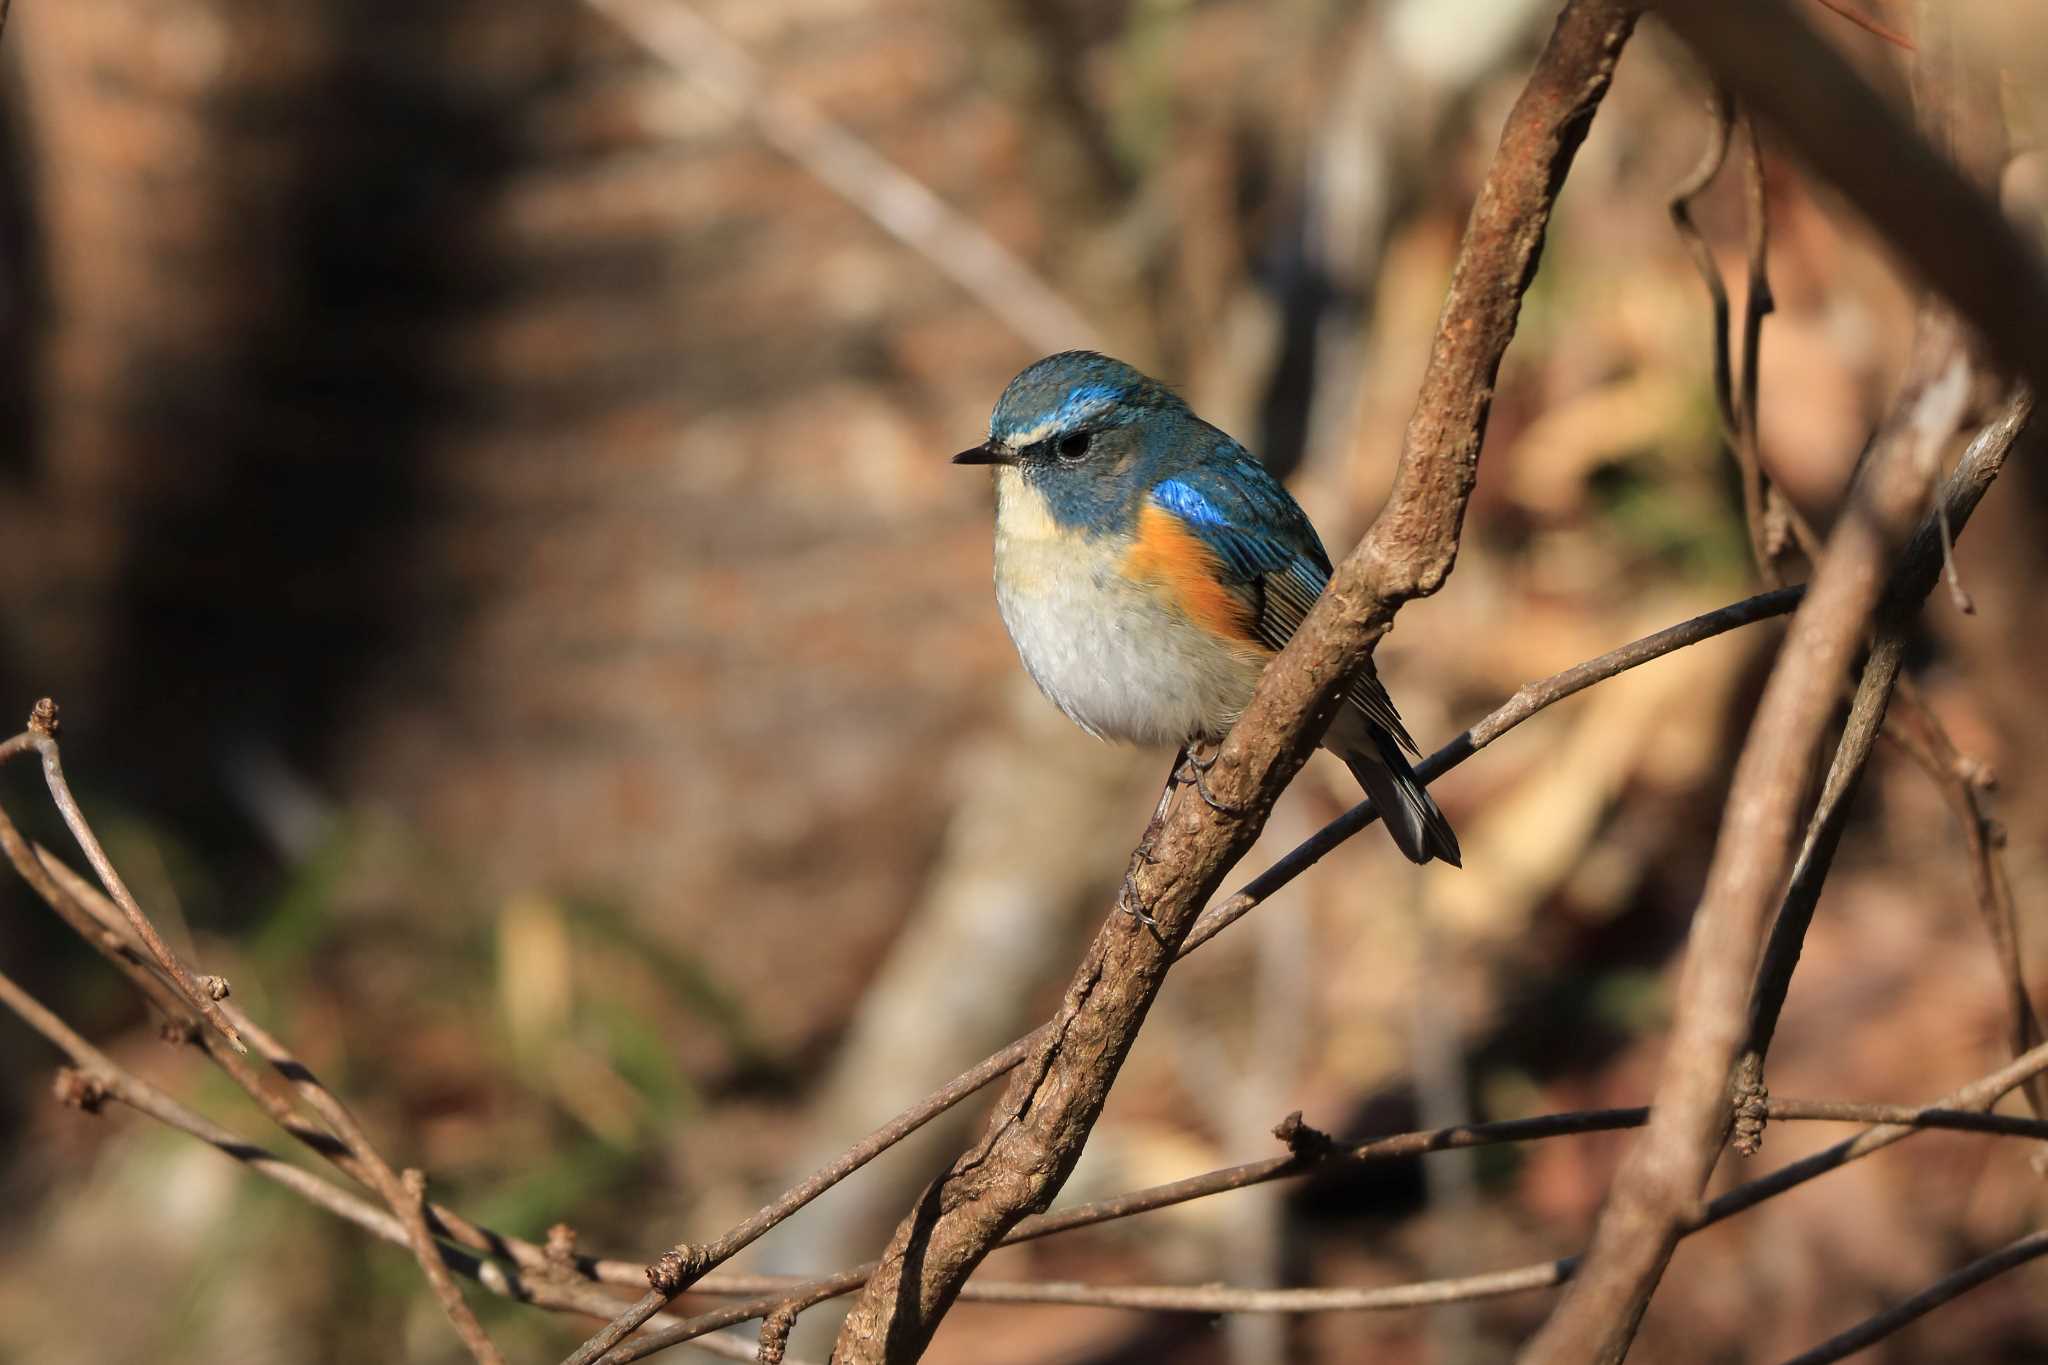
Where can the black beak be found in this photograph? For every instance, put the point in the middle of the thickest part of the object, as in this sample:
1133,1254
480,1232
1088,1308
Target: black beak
988,452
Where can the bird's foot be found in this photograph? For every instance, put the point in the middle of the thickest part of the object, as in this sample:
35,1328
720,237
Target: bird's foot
1130,900
1191,770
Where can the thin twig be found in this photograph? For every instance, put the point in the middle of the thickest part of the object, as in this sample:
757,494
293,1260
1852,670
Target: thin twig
674,33
1938,755
1526,702
1222,1298
99,1078
1780,517
348,1138
1881,1325
1720,121
1767,515
685,1264
202,993
413,1213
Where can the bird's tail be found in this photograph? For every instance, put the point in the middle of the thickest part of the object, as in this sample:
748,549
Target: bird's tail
1411,815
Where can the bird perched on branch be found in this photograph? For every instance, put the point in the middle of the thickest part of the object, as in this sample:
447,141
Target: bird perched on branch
1148,568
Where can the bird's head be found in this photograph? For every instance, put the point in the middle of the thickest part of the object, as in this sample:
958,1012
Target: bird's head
1087,433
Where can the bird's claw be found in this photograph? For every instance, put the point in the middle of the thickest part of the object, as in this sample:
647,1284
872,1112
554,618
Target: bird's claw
1191,771
1132,903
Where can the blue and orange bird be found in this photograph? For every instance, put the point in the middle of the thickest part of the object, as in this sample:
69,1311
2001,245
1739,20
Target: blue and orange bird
1148,568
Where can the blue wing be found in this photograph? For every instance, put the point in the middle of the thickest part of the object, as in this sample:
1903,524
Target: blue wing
1266,546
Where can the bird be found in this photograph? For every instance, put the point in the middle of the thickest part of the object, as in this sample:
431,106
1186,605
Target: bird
1148,568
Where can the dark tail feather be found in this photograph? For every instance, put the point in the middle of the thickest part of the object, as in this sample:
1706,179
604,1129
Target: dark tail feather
1405,806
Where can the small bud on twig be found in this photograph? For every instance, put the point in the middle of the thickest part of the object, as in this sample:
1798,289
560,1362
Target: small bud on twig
561,1250
1303,1141
678,1268
76,1090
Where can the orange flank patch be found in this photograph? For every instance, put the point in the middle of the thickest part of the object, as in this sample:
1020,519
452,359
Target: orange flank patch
1170,557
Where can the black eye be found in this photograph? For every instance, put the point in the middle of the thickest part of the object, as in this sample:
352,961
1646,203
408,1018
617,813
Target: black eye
1074,446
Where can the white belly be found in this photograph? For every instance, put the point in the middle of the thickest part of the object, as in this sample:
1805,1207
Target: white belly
1117,657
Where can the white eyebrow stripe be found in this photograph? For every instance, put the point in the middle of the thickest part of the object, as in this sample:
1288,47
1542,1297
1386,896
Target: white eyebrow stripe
1019,440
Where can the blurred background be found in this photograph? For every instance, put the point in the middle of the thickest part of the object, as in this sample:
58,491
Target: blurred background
482,505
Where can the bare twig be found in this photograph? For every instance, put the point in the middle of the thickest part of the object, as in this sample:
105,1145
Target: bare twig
682,1265
99,1078
1767,515
1527,701
1721,121
1936,752
1222,1298
1780,517
1881,1325
202,993
50,878
414,1215
900,204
